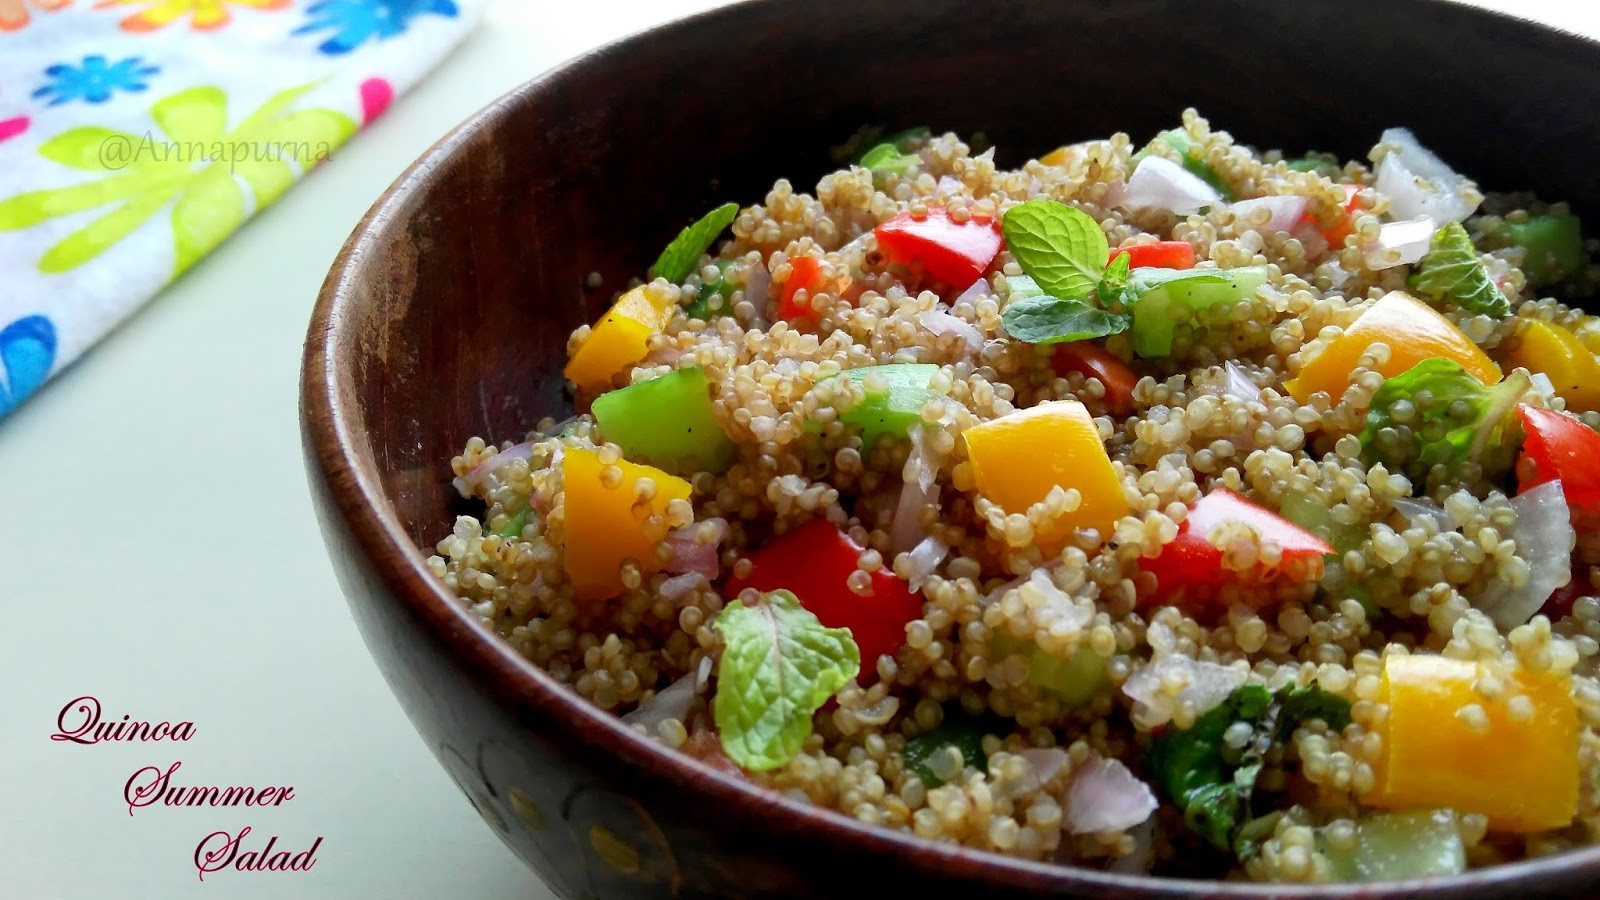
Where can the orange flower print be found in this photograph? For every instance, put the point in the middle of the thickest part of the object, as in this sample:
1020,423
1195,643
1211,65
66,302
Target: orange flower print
14,13
205,15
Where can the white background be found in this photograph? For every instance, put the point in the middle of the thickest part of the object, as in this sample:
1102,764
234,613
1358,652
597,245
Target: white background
158,550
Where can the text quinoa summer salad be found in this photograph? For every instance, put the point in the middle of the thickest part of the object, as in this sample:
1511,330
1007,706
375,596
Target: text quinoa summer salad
1179,509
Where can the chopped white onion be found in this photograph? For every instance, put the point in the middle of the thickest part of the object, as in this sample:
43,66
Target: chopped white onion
1209,684
1544,536
1116,194
1236,383
671,702
948,186
1044,764
1412,508
678,587
1418,183
473,480
1399,243
1106,797
1286,210
1542,384
1160,183
923,559
1311,239
941,323
689,555
920,489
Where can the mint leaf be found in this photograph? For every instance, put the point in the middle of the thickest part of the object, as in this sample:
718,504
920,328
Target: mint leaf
1450,271
1453,419
886,158
1113,286
779,665
1060,247
1213,783
677,261
1048,320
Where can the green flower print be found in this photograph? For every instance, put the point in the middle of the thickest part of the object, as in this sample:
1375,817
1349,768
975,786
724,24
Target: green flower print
196,162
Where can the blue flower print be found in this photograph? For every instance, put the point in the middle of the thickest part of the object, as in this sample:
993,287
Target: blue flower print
27,351
354,22
94,81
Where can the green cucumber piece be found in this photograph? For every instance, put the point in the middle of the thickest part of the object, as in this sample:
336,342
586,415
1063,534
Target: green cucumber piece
1411,844
1554,246
1164,297
897,408
1073,681
668,422
700,307
958,730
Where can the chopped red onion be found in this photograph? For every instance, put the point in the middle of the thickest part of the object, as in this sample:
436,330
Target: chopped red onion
671,702
1044,764
1311,239
941,323
689,555
1544,536
1209,684
920,489
1160,183
975,292
678,587
758,284
1143,856
470,482
1409,238
1106,797
1418,183
1236,383
924,558
1286,210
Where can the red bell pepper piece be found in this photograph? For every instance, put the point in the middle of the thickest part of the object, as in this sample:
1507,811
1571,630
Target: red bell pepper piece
1159,255
1560,446
1193,567
1094,361
956,254
813,562
807,272
1336,233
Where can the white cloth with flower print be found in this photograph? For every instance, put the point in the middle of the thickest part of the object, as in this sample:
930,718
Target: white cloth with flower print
135,135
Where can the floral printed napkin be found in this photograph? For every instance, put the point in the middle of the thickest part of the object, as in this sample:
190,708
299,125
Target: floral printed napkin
135,135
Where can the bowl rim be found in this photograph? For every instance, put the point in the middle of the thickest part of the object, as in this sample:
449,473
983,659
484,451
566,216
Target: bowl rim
331,438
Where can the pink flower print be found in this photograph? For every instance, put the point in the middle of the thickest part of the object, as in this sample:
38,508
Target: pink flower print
376,95
10,128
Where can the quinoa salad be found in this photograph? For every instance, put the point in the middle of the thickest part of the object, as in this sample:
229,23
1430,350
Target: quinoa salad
1172,507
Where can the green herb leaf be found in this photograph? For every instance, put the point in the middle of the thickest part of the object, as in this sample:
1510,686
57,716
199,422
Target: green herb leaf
1325,166
1211,782
1451,271
700,306
1060,247
958,730
885,158
1113,286
1049,320
678,260
779,665
514,526
1449,419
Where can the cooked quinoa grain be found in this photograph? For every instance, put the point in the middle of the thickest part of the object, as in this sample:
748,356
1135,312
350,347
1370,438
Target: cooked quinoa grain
1270,557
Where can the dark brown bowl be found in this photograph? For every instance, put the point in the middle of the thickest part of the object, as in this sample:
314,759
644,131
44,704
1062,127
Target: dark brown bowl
446,316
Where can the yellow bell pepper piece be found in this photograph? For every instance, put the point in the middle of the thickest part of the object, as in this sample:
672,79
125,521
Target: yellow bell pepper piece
1018,458
1056,157
1522,775
1412,330
604,526
1557,352
619,339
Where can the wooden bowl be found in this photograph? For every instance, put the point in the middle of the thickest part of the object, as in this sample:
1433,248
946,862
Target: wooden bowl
447,313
